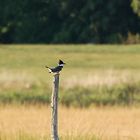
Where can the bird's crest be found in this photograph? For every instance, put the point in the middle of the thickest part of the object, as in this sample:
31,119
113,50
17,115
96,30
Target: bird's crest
61,62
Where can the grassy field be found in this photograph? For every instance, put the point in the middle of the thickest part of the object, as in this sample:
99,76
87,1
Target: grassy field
33,123
99,92
81,59
107,74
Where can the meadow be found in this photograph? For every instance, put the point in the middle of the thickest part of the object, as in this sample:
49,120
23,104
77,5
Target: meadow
33,123
99,92
109,75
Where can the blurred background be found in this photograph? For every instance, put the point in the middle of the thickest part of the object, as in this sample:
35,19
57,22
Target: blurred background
50,21
99,94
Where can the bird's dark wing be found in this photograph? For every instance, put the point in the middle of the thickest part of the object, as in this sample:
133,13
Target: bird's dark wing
56,69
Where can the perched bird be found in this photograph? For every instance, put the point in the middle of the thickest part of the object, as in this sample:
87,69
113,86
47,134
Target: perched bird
56,69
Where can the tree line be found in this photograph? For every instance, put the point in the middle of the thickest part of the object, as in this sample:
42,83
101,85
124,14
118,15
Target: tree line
68,21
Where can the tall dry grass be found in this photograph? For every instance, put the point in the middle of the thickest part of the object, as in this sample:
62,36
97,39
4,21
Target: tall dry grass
101,78
16,80
92,123
22,79
105,87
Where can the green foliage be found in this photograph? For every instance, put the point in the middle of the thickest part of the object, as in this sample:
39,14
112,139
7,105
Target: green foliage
23,97
136,6
77,96
48,21
124,94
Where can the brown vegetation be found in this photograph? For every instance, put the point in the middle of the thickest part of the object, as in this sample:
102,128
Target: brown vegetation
103,123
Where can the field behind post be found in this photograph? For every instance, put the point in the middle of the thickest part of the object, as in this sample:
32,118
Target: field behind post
95,78
105,70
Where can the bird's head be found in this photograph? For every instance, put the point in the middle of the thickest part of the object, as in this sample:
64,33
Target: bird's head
61,63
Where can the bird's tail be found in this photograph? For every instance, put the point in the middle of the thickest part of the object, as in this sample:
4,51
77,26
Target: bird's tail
48,68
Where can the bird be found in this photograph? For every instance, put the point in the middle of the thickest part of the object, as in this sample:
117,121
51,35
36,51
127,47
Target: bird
56,69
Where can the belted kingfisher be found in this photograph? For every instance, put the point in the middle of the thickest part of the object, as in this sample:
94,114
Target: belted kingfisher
56,69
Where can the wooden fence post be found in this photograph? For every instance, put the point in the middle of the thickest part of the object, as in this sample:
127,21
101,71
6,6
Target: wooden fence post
54,106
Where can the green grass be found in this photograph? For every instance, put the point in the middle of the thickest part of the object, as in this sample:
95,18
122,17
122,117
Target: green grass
32,57
90,70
